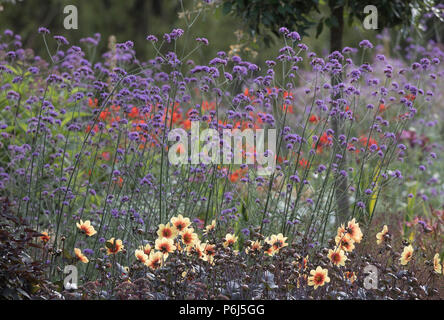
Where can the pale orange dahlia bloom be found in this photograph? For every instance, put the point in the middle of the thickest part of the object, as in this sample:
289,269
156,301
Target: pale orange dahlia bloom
86,228
113,246
180,223
406,255
318,277
380,236
80,255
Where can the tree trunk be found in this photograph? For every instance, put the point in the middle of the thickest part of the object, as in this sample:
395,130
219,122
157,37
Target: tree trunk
341,195
157,7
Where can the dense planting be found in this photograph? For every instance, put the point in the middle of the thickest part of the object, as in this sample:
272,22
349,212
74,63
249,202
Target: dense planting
86,176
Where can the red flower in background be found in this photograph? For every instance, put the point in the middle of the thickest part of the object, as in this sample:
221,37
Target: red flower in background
303,163
313,118
134,113
208,105
324,140
93,104
236,175
363,140
106,155
104,114
287,107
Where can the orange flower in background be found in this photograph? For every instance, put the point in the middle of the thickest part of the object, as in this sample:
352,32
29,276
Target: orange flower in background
115,119
167,231
287,94
380,236
93,104
119,181
247,94
208,105
45,238
351,147
230,239
95,129
86,228
318,277
436,263
80,255
382,107
286,107
313,118
165,246
180,223
136,124
410,97
114,108
113,246
324,140
337,257
304,262
281,160
106,155
186,124
177,117
104,114
134,113
141,256
363,140
404,116
303,163
406,255
235,175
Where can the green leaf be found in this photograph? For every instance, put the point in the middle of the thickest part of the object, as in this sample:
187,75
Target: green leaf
411,203
226,9
374,196
72,115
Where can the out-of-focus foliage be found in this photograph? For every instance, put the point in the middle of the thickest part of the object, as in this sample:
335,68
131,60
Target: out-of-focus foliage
126,20
21,276
273,14
129,19
300,15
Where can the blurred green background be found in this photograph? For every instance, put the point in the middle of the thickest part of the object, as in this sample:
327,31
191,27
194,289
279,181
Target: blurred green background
135,19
